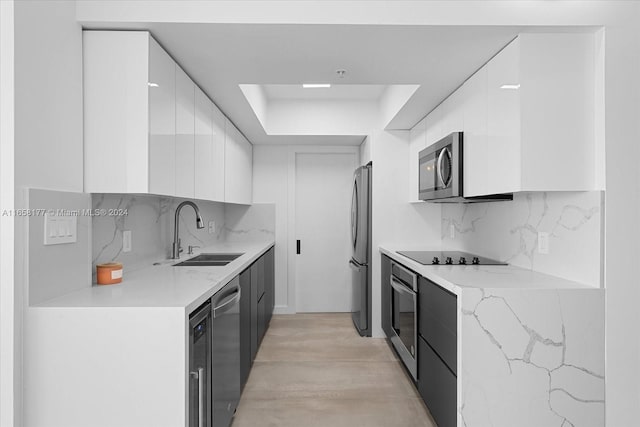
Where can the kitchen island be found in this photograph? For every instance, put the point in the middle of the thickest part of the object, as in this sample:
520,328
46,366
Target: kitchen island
530,346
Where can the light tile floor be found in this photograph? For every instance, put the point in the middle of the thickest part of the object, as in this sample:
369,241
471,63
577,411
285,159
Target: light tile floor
314,370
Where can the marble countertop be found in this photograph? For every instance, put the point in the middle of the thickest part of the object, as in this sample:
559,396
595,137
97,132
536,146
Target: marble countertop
455,278
164,286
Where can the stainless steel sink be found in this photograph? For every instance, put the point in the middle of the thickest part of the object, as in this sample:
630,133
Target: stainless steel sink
208,260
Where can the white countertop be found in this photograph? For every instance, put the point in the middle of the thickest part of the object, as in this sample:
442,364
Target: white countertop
455,278
166,286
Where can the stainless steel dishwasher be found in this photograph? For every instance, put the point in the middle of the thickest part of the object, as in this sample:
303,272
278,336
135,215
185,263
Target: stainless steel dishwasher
226,353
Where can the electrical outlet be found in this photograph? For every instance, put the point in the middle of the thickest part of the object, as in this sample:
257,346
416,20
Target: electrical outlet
212,227
126,241
452,231
543,242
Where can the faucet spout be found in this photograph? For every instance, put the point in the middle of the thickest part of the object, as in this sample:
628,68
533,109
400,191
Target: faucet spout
176,249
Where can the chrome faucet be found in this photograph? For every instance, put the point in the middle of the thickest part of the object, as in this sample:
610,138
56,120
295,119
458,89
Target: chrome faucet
176,249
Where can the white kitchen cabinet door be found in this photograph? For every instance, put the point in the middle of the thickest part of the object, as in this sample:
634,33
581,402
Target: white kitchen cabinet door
218,146
503,120
116,117
185,149
238,166
452,114
434,126
417,142
204,174
162,121
475,150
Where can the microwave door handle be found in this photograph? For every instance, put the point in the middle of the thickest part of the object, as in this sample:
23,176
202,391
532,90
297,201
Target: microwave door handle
440,160
401,288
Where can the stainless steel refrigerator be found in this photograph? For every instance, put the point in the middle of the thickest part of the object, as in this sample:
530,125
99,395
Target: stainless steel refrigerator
360,262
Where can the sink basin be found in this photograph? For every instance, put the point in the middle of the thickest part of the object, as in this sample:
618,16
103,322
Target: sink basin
208,260
215,257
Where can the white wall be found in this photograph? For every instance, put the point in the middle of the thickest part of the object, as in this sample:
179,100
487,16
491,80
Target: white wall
10,384
270,175
48,124
321,117
54,270
394,221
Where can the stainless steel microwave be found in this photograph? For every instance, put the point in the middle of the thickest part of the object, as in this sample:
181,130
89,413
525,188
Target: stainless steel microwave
440,173
440,169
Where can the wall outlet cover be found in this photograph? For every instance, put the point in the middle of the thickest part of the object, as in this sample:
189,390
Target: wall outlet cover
212,227
126,241
452,231
543,242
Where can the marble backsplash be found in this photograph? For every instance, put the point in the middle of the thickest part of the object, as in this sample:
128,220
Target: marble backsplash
508,231
151,221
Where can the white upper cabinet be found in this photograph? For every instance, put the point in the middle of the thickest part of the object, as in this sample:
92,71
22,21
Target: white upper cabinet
528,118
209,149
185,145
238,166
503,123
148,128
162,124
417,142
476,150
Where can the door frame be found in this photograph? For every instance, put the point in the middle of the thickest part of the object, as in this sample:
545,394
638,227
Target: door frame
294,150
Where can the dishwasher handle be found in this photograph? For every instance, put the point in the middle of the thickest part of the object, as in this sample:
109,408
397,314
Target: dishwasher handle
228,302
199,375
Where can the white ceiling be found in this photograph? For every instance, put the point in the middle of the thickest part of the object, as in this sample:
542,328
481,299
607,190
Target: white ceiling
336,91
220,57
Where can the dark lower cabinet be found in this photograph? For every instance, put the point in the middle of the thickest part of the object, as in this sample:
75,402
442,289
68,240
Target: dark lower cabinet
257,285
270,283
437,386
438,320
245,326
386,295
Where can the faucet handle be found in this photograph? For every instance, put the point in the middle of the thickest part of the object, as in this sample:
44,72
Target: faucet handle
191,248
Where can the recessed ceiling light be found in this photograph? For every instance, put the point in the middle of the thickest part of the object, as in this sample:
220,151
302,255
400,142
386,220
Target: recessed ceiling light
315,85
510,86
152,84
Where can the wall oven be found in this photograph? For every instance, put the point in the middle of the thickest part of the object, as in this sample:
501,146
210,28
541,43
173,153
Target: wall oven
404,322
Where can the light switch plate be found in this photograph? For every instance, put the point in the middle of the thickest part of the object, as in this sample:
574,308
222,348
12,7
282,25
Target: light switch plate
543,242
59,229
212,227
126,241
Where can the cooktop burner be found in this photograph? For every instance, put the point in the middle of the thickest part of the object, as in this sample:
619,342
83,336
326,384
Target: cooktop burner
449,257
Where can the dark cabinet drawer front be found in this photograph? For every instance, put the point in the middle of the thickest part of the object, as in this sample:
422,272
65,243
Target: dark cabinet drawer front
437,320
437,386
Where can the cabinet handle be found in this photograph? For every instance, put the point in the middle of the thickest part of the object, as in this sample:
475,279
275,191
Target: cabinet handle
298,247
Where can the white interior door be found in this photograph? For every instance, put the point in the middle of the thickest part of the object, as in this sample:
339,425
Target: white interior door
323,186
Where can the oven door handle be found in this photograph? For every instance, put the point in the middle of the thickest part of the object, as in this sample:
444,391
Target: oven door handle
398,286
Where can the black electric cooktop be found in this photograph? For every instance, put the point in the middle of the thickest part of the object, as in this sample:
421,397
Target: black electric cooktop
449,257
